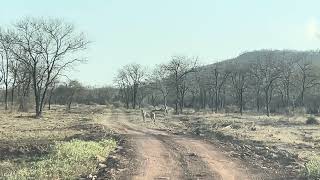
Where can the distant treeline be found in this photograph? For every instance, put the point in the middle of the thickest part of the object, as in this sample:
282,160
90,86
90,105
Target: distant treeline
268,81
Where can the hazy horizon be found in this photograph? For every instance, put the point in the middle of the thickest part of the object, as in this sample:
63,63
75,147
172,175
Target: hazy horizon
150,33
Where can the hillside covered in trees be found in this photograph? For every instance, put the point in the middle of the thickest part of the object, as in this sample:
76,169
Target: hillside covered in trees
269,81
265,80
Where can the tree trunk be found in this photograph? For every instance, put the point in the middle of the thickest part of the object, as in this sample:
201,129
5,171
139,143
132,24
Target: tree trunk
222,99
258,100
24,89
127,97
193,101
241,102
38,110
267,102
177,96
303,90
13,88
182,101
135,90
176,107
212,103
302,97
288,96
49,100
204,102
69,105
216,101
127,104
12,96
36,92
6,96
165,104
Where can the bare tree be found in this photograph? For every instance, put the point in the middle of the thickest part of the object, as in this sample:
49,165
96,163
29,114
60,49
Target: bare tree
160,82
124,84
142,92
74,87
200,87
256,77
183,91
14,69
239,78
51,91
153,99
46,47
307,77
268,71
219,77
136,74
194,89
287,66
6,43
23,84
178,69
129,79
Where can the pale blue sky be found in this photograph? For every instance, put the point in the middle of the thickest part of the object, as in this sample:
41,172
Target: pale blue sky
150,32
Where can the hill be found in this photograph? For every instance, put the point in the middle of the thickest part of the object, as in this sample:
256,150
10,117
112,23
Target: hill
247,58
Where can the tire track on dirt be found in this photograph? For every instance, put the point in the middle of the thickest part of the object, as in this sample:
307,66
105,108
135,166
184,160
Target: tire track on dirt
192,165
159,155
226,168
166,159
152,159
156,161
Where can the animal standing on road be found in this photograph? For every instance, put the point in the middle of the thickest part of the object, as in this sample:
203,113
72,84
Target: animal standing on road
143,115
153,116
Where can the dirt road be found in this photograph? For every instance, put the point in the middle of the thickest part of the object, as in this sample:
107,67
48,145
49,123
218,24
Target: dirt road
160,155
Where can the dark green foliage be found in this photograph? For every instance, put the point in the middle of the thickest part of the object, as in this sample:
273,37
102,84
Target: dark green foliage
312,121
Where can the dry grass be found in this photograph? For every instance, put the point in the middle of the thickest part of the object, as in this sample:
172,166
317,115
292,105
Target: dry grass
288,133
28,142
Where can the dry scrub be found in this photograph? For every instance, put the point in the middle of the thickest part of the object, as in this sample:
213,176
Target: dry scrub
59,145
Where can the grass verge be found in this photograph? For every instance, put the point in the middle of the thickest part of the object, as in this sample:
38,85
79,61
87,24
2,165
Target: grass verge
312,168
67,160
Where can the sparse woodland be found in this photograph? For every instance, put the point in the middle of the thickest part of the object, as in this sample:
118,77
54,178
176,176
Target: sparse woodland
35,53
265,81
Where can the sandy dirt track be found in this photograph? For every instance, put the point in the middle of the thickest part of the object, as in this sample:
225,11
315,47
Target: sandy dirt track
160,155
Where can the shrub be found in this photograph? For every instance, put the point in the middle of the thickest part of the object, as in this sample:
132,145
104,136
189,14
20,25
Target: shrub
312,121
312,168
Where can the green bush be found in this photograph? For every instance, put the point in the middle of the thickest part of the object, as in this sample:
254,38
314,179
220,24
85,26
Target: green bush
312,168
312,121
68,160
